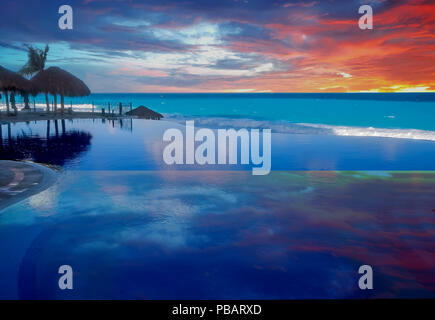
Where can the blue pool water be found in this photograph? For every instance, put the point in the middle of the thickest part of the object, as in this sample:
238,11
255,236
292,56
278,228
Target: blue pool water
222,235
133,227
137,145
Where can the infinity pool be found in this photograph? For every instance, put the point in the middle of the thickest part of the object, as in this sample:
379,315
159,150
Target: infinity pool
132,227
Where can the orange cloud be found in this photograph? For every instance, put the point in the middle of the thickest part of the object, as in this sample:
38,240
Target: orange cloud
397,55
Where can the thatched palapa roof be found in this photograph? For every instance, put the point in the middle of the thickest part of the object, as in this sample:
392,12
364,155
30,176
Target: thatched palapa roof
55,80
145,113
11,81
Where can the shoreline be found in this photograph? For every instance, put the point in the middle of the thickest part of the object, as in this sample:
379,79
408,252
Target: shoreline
20,180
37,116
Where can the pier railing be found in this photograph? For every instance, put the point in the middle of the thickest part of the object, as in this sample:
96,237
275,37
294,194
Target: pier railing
109,108
119,109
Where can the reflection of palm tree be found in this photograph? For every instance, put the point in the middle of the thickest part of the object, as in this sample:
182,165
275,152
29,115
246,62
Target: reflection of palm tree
35,63
56,128
56,150
48,130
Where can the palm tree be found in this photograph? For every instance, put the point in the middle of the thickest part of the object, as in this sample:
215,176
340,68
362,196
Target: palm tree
13,102
25,96
36,63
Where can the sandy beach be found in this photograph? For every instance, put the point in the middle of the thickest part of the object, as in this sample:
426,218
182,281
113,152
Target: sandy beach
20,180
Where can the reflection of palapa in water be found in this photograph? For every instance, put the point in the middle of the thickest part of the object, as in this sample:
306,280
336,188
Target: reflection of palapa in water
54,150
123,124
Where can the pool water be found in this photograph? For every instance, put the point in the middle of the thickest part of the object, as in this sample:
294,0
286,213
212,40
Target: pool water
138,145
132,227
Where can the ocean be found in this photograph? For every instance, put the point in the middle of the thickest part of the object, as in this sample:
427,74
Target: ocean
395,115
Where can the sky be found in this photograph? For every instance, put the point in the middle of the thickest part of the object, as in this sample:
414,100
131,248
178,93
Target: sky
229,45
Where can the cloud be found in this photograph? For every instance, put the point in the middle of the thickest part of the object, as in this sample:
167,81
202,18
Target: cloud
230,45
344,74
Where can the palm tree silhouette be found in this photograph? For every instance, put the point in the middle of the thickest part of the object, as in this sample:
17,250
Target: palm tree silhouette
35,63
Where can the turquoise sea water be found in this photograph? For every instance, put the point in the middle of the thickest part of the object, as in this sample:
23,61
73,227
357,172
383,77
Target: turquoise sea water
282,111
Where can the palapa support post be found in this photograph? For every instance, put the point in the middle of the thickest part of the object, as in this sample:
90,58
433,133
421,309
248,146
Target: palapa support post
25,96
120,108
62,102
47,102
109,106
13,103
7,103
55,103
92,106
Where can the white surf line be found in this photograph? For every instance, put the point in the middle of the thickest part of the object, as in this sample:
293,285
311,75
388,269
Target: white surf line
283,126
414,134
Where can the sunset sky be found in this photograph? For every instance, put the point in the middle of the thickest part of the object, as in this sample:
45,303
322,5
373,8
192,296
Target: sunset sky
229,45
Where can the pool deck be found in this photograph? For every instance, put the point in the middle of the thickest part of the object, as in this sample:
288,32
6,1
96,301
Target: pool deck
20,180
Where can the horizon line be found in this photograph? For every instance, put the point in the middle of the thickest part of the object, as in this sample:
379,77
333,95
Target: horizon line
279,92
